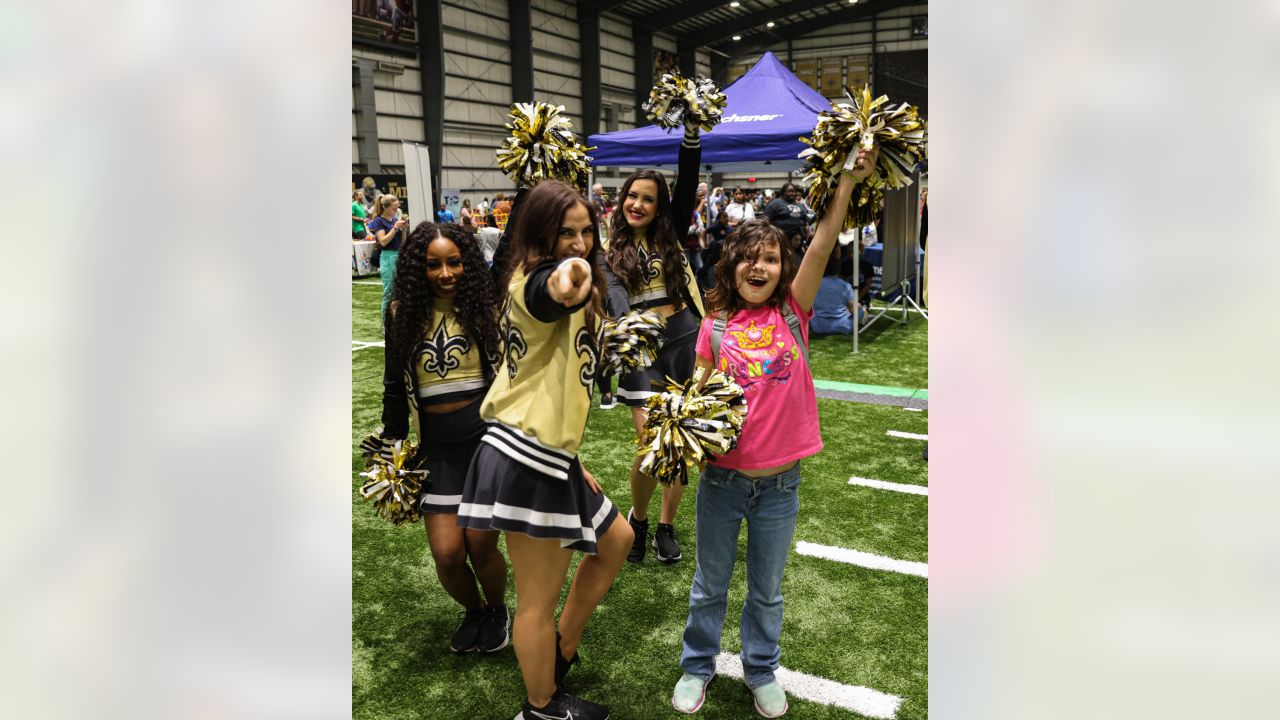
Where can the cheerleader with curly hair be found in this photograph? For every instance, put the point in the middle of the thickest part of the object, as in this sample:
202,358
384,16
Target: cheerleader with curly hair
441,350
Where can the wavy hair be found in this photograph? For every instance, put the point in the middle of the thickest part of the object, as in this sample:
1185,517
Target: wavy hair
746,243
537,229
475,304
624,255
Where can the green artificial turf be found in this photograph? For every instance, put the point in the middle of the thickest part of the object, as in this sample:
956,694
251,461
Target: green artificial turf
843,623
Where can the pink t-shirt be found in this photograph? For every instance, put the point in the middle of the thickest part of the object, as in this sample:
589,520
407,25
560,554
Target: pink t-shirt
758,352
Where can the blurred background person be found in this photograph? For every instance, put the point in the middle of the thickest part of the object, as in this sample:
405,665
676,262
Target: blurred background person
359,216
390,233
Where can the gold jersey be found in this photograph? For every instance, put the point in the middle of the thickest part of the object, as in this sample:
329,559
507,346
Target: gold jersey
538,403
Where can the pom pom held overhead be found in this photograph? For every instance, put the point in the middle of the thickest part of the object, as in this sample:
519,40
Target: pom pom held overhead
677,100
542,145
863,123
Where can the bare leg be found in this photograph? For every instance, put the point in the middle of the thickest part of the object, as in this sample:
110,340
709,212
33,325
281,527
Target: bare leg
593,579
642,485
671,495
489,565
449,551
540,567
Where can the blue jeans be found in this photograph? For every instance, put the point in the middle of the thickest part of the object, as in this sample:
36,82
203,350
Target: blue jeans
769,505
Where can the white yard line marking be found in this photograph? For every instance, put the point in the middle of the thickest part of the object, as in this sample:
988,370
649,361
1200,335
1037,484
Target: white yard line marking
914,409
364,282
357,345
862,559
885,485
907,435
862,700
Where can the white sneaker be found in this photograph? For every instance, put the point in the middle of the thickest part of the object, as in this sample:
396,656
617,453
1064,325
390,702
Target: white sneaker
608,401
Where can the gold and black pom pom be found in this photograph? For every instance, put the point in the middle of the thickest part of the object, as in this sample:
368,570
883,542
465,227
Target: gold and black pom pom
863,123
543,146
677,99
687,426
393,488
631,342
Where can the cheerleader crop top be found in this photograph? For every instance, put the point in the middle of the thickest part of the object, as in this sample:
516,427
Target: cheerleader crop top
538,403
653,292
447,365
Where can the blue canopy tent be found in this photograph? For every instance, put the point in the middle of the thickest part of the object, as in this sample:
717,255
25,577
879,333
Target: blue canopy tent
768,110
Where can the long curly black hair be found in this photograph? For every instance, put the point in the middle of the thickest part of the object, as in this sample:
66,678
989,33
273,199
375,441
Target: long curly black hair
476,302
624,256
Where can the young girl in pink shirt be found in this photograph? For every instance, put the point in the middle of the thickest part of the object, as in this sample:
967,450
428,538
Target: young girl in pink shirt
757,332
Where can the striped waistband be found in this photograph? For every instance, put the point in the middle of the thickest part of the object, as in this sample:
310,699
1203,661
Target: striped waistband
526,450
458,386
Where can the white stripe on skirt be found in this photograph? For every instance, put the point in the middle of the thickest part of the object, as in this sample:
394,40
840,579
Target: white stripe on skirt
523,459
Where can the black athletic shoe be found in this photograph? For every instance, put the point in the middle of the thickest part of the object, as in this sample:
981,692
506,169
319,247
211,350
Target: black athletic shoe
495,629
638,548
664,541
562,665
564,706
467,636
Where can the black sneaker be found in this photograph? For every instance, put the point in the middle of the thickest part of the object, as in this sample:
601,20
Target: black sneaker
467,636
564,706
641,529
495,629
664,541
562,665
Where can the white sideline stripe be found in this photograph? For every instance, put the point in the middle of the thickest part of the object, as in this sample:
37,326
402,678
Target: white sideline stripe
885,485
914,409
862,559
862,700
907,435
364,282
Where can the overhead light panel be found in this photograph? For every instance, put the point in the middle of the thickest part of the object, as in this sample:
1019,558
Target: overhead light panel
735,3
770,24
737,37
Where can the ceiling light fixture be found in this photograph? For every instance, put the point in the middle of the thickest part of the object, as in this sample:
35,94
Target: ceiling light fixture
737,37
770,24
735,3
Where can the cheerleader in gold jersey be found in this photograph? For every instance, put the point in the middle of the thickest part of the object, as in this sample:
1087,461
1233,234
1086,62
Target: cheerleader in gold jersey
526,479
441,351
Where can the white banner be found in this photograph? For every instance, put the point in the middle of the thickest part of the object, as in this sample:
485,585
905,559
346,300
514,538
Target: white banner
417,171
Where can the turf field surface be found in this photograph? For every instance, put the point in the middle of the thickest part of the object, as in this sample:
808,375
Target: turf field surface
844,623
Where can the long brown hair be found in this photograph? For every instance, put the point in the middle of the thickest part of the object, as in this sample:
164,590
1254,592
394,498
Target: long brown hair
624,256
746,243
537,229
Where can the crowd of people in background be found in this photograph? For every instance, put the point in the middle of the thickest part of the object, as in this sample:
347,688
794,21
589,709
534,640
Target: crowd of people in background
716,214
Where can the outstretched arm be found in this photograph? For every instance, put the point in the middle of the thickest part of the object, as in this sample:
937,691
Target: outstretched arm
805,286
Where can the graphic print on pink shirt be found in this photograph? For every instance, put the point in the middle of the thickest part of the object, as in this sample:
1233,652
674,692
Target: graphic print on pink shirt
760,354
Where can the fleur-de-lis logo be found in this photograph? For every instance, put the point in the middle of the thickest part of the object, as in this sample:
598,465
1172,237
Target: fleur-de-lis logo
653,267
438,352
513,344
585,344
